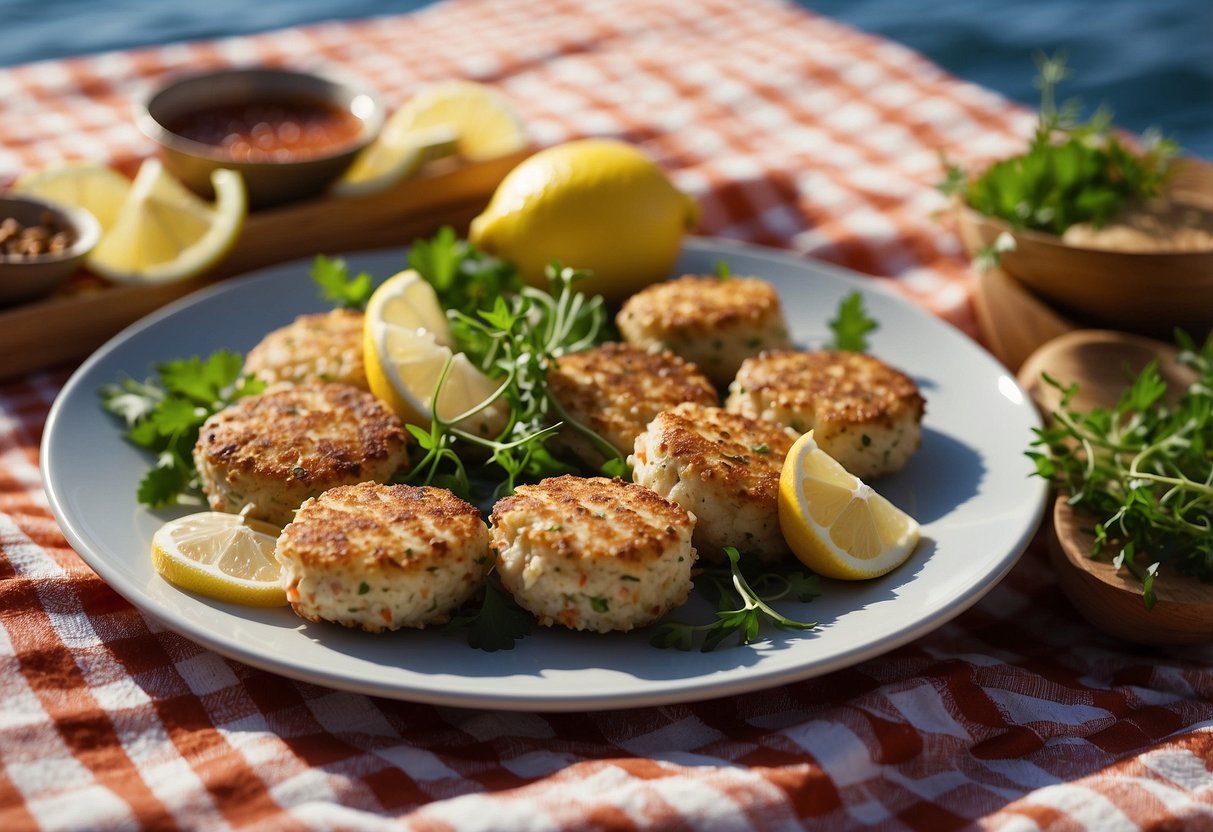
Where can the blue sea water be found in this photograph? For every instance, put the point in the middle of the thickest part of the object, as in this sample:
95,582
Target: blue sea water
1150,61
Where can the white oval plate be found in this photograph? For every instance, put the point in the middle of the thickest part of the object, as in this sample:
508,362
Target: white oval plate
969,485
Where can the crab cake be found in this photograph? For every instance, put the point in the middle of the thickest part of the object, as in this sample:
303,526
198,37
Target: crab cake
723,467
862,412
593,554
270,452
712,322
381,557
616,389
324,347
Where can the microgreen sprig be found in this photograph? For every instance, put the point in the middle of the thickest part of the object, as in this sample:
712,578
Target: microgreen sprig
1143,468
742,607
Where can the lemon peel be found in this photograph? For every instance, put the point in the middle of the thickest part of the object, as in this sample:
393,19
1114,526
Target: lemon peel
406,345
835,524
596,204
221,556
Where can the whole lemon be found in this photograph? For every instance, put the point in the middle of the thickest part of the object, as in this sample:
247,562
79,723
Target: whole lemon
597,204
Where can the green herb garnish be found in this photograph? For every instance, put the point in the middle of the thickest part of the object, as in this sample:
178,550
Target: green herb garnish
497,624
516,340
1143,468
338,287
852,325
163,416
742,607
1072,172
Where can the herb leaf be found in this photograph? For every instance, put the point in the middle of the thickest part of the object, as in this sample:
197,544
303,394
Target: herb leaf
332,275
852,325
1143,468
497,624
164,415
742,608
1072,172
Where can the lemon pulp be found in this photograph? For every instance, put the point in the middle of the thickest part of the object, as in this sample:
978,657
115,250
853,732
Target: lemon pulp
406,345
222,556
164,232
836,524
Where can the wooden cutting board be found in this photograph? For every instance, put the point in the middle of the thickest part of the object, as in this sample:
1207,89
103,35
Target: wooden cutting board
66,327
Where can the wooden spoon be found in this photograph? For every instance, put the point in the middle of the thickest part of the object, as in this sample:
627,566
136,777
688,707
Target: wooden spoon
1100,361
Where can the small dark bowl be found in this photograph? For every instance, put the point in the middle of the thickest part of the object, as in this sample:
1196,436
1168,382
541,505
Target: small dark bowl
268,181
24,278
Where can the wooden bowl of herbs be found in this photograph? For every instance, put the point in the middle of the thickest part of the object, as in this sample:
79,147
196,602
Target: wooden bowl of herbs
1128,443
1108,233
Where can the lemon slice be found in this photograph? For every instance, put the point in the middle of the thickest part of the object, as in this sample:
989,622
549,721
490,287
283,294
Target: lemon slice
98,189
406,344
222,556
393,157
834,523
164,232
484,121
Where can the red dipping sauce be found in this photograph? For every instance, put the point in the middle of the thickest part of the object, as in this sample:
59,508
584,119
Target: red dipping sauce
270,131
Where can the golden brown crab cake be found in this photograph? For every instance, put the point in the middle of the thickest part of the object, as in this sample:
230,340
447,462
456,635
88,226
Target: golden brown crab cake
724,468
593,553
381,557
864,413
715,323
265,454
321,347
616,389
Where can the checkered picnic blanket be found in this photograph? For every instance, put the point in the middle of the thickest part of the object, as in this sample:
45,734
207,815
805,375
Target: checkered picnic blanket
792,131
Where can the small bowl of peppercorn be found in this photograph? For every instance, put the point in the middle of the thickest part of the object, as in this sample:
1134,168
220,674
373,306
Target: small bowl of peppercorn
41,244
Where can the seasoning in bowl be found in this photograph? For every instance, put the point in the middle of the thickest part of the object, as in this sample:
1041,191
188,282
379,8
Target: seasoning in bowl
270,130
41,244
49,235
288,133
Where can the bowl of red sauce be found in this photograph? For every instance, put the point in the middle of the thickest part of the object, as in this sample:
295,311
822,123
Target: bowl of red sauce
289,133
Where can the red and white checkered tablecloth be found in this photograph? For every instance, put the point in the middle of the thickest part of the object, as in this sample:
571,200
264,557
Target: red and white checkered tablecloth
792,131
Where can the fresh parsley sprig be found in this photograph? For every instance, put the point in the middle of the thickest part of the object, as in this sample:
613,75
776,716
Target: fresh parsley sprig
497,623
338,286
1142,468
163,415
852,325
743,606
1072,171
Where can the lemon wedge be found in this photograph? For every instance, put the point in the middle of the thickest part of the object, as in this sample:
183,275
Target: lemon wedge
164,232
393,157
96,188
834,523
597,204
222,556
406,344
484,121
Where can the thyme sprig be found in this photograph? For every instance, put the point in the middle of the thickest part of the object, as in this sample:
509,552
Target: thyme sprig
515,341
1143,468
743,605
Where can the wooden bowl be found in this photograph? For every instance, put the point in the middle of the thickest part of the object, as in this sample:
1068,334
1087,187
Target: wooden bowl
1111,599
1145,292
1100,361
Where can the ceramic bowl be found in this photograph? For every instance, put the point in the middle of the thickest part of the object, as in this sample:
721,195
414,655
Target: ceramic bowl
25,277
1145,292
272,176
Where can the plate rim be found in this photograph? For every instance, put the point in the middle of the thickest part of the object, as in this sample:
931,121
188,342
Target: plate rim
665,691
